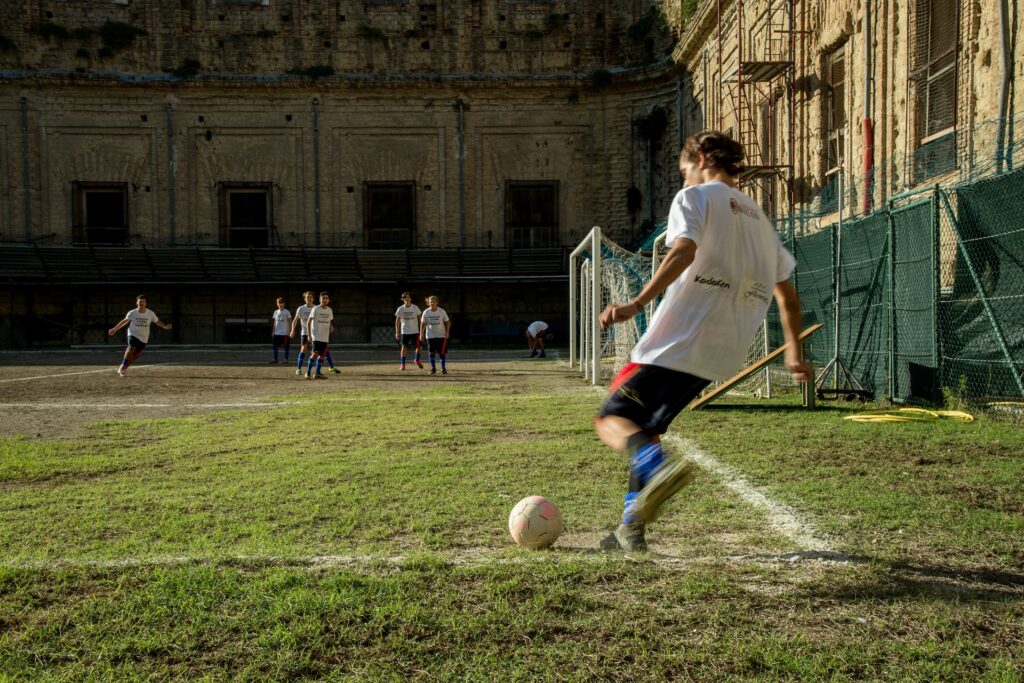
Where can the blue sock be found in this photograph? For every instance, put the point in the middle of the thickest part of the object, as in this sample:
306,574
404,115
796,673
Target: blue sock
302,359
330,361
309,368
627,507
443,357
417,356
319,365
644,463
124,362
403,360
275,354
433,363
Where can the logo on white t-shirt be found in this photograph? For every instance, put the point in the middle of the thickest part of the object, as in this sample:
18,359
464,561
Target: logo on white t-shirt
756,293
711,281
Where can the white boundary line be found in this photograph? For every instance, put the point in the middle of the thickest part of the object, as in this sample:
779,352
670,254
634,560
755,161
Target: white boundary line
467,558
781,517
112,369
100,406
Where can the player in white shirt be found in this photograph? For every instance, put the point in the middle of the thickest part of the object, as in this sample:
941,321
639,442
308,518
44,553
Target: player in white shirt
138,321
280,328
407,328
320,325
301,318
535,335
724,264
434,329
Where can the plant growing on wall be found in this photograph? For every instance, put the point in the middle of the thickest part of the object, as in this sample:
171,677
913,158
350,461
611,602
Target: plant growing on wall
117,35
371,33
48,29
315,71
189,69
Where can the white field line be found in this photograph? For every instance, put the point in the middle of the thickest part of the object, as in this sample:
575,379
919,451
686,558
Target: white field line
112,369
101,406
466,558
781,518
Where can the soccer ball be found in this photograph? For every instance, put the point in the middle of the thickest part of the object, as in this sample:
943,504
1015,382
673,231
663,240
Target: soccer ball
535,522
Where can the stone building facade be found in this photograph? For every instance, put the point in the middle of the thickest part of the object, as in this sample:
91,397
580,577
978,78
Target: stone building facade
331,123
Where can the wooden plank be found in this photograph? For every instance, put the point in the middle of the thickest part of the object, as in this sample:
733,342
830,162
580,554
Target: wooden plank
747,371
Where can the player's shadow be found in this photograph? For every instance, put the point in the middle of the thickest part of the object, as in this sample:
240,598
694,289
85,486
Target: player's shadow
773,408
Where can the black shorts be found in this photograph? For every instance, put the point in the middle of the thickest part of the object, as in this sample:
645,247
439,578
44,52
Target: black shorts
304,340
410,339
320,347
136,343
651,396
436,344
280,340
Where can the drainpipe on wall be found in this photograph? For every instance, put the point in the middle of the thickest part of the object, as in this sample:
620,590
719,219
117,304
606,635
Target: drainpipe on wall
171,238
461,153
26,172
316,175
1004,83
869,126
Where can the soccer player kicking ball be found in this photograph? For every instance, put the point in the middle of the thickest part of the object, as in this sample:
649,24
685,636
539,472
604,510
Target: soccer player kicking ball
138,321
724,262
320,327
434,328
407,328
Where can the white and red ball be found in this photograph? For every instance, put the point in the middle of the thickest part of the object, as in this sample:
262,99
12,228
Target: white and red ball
535,522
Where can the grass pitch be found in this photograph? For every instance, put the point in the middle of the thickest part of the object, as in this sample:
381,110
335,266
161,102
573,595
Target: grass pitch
357,531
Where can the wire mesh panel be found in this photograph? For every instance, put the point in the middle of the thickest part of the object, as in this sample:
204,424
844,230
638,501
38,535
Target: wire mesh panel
982,316
914,297
815,271
864,280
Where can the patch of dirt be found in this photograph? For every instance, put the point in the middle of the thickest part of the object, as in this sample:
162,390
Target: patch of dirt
59,394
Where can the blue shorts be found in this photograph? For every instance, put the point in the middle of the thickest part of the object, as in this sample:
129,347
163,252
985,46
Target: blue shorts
411,339
280,340
651,396
437,344
136,343
320,347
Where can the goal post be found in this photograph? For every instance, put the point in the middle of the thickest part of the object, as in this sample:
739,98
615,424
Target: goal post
603,272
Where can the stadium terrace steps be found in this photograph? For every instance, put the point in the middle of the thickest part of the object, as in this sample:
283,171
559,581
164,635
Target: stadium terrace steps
229,265
335,265
485,262
538,261
384,264
19,263
118,263
177,264
70,264
278,265
88,264
434,263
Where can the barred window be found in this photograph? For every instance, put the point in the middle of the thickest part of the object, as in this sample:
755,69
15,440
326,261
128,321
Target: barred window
245,215
389,215
933,70
531,213
100,213
835,108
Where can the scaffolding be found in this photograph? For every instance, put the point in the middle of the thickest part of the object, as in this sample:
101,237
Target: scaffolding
756,49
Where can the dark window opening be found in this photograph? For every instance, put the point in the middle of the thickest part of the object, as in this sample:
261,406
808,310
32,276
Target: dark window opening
934,72
531,214
835,109
100,213
389,215
245,215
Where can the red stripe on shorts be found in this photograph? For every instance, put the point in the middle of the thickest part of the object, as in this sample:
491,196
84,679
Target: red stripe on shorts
627,371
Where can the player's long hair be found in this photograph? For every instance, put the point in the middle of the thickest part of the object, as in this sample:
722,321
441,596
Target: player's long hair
719,150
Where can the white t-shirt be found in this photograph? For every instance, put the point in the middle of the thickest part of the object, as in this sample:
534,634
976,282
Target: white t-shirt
320,323
435,320
140,324
282,321
536,327
302,313
708,317
409,316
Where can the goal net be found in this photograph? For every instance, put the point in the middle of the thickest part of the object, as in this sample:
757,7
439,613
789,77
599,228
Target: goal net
602,272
